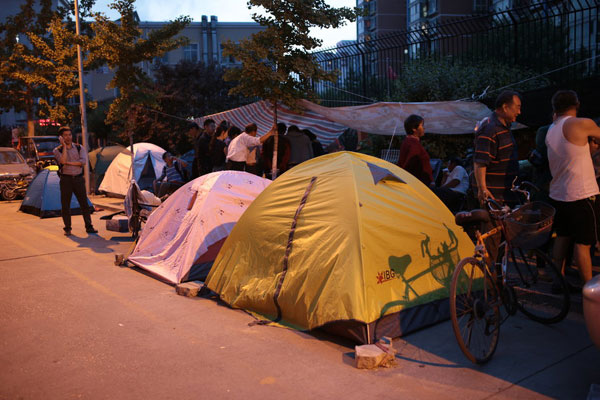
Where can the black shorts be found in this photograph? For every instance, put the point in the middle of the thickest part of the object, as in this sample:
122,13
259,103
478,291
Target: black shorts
578,220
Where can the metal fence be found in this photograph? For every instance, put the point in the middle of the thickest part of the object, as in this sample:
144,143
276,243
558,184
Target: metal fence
558,40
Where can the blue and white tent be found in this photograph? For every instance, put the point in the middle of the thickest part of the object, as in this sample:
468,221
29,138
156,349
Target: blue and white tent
43,196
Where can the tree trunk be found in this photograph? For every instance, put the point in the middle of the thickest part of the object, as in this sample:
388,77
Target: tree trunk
30,116
275,146
30,125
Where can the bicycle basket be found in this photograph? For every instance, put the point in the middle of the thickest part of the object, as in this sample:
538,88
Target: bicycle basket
530,226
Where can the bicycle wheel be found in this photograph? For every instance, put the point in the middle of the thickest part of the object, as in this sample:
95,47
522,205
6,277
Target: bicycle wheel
475,310
540,289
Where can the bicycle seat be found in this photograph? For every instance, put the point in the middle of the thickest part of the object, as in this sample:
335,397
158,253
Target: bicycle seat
476,216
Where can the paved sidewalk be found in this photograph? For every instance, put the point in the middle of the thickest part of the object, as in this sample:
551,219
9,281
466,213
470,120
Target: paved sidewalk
74,325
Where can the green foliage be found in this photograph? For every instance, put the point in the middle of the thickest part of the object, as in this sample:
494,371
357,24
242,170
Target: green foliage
39,61
54,67
122,47
276,63
14,91
433,79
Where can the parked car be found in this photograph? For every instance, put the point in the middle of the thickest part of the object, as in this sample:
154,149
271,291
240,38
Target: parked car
37,150
15,174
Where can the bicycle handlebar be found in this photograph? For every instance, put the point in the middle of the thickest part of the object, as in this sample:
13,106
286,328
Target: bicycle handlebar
493,205
530,185
517,188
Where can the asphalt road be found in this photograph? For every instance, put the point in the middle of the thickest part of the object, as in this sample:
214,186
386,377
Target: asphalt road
74,325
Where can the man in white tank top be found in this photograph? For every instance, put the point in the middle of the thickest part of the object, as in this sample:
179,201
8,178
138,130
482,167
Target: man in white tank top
573,187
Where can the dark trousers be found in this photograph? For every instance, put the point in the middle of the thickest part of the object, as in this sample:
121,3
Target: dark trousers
235,165
254,169
70,185
164,188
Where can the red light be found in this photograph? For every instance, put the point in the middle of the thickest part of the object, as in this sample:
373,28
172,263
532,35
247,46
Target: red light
48,122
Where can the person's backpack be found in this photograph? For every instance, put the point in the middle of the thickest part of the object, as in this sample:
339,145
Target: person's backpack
60,167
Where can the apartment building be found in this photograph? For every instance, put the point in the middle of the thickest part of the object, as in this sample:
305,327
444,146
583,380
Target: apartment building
383,17
422,13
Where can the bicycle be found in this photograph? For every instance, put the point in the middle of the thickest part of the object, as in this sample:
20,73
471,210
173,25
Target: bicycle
525,279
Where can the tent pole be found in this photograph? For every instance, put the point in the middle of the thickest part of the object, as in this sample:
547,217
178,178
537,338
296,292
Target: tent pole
391,140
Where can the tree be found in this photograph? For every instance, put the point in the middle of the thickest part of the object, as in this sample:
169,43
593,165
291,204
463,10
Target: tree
37,49
54,67
14,91
122,47
276,63
442,79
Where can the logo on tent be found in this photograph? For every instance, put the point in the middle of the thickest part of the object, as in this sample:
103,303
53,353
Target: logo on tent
441,263
398,266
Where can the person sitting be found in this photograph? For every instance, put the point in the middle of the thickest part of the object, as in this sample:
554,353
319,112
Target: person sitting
172,177
454,185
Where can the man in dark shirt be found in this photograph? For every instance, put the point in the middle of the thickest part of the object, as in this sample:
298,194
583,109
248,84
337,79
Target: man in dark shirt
202,161
71,158
413,156
496,158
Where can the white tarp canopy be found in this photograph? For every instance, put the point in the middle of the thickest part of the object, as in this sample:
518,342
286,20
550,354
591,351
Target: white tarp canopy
189,228
117,176
441,117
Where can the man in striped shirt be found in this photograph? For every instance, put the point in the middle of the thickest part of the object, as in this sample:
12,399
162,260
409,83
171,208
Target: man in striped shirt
496,158
172,175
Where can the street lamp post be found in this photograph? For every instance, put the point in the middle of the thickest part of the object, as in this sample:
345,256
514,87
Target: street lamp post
84,133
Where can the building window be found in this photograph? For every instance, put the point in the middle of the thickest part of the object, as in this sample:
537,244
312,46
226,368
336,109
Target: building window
413,13
190,52
432,6
418,11
502,5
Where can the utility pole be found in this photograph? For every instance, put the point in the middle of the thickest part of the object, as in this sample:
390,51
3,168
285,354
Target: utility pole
84,133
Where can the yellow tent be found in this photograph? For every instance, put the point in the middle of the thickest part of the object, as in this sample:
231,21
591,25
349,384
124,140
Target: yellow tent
347,242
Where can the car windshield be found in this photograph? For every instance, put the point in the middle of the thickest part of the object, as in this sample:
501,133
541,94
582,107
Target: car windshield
11,157
46,146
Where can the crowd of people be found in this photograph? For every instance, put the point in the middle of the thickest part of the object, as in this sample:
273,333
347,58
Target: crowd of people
567,149
227,147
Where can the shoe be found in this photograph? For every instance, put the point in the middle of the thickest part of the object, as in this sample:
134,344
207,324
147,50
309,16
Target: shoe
67,231
91,230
